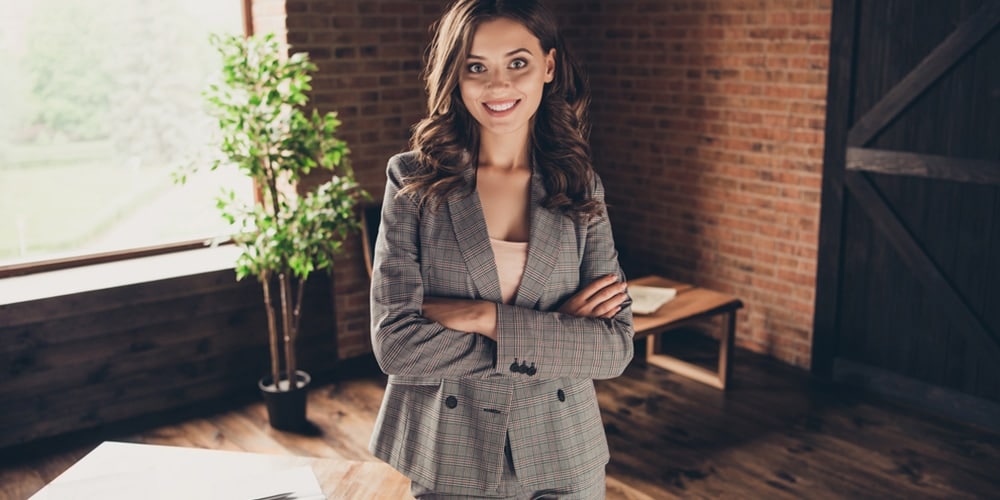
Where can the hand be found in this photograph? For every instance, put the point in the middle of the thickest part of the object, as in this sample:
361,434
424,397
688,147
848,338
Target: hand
471,316
601,299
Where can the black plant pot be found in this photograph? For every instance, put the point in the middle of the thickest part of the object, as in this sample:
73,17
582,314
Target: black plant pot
286,410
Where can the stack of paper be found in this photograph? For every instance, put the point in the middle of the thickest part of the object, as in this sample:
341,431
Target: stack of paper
647,299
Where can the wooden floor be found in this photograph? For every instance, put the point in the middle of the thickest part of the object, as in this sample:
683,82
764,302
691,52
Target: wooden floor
773,435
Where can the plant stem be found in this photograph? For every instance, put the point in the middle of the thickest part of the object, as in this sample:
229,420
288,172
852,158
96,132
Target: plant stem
297,315
272,188
286,316
272,329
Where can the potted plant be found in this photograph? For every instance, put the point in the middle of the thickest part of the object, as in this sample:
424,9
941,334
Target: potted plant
289,232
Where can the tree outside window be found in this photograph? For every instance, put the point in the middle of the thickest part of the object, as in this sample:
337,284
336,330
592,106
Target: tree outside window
101,103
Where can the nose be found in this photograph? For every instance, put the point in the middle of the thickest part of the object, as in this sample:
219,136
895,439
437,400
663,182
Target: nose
499,79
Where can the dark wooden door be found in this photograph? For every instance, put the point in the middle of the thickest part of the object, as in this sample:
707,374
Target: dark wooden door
908,289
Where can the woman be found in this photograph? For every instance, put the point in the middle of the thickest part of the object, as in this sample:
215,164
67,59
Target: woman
497,297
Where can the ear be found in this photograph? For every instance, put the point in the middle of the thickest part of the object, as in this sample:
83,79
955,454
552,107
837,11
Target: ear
550,66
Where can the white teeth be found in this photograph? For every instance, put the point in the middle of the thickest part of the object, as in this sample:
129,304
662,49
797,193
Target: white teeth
501,107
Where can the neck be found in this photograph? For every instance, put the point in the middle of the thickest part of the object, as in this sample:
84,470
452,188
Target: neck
504,150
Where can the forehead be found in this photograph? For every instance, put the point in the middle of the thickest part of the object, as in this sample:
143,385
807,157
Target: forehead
502,35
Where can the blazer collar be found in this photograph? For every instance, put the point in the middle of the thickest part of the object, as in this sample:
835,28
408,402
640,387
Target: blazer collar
467,219
545,232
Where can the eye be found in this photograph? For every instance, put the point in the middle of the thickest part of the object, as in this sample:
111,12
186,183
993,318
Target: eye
518,64
477,68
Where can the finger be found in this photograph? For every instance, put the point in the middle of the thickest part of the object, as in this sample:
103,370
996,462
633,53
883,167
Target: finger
612,313
569,307
600,302
606,294
596,286
611,304
576,304
596,308
575,310
583,302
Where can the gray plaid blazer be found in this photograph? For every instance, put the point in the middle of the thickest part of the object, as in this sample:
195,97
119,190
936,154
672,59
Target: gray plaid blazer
453,398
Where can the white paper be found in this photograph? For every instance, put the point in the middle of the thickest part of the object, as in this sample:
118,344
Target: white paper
299,481
211,483
647,299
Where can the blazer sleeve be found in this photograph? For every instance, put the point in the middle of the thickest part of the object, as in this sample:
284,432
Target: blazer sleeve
561,345
404,342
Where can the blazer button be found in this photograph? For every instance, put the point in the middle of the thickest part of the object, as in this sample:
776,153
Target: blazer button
451,402
531,371
513,366
561,395
523,368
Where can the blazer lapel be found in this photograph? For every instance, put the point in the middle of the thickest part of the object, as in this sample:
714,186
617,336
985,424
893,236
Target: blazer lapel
543,247
467,218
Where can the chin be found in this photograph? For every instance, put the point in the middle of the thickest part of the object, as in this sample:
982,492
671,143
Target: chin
504,130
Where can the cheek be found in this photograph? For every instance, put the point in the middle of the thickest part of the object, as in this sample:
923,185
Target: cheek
531,79
470,90
529,84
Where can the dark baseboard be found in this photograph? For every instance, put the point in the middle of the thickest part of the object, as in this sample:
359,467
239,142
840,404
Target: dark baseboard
359,367
927,398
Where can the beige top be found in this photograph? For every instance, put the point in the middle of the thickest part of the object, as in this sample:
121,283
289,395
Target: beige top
511,257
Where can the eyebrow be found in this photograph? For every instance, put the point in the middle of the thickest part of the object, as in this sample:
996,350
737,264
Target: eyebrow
515,51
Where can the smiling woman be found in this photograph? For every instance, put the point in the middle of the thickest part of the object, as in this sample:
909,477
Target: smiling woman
504,78
497,298
101,105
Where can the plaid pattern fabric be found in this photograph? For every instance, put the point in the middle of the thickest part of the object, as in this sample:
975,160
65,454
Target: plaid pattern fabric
454,398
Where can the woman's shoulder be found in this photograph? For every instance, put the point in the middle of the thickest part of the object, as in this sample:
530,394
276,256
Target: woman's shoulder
596,185
404,164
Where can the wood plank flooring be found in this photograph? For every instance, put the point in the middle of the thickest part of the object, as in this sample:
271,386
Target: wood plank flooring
775,434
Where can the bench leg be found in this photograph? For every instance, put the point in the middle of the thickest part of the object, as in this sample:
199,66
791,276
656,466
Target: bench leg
726,348
718,379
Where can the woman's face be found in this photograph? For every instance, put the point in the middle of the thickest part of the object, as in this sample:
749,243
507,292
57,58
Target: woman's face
504,76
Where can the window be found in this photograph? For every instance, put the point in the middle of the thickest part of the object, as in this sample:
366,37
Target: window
101,103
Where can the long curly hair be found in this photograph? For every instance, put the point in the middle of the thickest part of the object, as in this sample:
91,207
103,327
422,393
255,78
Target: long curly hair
448,138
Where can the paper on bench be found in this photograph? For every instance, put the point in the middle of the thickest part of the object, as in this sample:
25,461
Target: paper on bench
647,299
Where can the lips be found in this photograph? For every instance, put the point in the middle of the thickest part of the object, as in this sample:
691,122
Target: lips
499,108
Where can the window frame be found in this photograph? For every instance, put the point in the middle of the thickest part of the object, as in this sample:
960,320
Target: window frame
57,263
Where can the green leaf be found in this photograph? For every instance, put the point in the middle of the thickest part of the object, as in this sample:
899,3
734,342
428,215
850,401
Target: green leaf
260,101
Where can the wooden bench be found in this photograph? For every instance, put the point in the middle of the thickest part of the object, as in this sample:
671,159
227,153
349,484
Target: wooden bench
692,304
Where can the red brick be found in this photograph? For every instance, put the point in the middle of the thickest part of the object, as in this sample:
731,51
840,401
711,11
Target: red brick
731,177
708,121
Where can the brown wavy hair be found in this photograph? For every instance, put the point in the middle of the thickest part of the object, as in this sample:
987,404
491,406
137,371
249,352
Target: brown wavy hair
446,138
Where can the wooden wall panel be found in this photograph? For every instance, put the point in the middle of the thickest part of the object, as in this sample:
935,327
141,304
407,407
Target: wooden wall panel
888,319
95,358
911,216
902,327
962,101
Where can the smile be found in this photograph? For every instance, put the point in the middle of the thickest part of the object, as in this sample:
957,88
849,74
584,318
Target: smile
500,107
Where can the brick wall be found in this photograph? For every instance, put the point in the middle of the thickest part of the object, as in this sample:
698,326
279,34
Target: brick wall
708,131
369,55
